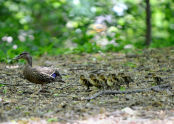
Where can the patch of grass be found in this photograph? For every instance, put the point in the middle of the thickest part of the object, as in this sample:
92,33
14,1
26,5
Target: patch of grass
1,85
130,64
55,94
5,91
20,92
52,120
122,88
18,107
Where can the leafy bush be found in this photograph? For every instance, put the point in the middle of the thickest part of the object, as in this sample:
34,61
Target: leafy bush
61,27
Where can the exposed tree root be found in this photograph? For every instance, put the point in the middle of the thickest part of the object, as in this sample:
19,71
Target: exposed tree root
112,92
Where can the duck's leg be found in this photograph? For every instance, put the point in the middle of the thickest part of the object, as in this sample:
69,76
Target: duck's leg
43,89
40,89
37,88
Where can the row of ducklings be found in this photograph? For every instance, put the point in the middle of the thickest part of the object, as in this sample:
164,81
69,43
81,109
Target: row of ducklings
105,81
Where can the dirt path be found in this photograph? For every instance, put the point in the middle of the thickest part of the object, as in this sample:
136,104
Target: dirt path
64,101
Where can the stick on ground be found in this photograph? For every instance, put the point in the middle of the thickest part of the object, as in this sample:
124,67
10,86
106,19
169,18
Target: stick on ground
112,92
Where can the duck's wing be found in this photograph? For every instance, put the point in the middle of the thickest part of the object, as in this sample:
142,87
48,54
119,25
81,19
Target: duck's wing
54,73
50,71
42,76
35,76
46,70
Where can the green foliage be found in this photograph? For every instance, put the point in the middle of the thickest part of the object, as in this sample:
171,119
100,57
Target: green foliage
52,120
5,90
122,89
87,47
61,27
1,85
130,64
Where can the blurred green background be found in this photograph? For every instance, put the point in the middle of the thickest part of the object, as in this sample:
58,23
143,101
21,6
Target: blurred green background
74,26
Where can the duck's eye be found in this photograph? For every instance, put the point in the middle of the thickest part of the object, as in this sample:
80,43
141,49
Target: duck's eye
24,53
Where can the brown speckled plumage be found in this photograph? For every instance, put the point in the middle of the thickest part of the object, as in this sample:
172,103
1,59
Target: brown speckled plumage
38,75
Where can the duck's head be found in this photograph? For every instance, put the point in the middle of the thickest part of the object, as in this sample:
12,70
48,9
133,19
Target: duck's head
113,75
26,56
92,76
109,78
82,77
121,74
110,75
23,55
101,76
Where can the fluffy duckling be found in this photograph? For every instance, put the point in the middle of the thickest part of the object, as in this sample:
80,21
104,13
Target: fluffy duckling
120,78
94,81
84,81
109,81
112,81
114,77
102,79
157,79
116,81
127,79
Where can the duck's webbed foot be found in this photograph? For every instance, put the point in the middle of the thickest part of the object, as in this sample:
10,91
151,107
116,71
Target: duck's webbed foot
43,89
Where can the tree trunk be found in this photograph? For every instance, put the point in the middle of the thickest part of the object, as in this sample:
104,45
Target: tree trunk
148,24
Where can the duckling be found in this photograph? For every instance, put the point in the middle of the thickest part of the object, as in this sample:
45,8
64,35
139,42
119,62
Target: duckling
102,78
110,83
120,78
127,79
116,81
157,79
114,77
85,81
94,81
38,75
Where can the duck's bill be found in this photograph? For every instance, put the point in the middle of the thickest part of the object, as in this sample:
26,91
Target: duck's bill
17,57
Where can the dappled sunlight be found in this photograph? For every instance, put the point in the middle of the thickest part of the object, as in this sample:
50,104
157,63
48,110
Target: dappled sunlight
119,8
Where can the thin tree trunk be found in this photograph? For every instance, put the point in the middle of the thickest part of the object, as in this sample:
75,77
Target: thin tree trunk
148,24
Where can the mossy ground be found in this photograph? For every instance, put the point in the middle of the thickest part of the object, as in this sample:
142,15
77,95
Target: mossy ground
64,101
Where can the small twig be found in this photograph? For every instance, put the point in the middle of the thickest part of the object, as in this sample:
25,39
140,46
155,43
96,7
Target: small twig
72,69
7,84
112,92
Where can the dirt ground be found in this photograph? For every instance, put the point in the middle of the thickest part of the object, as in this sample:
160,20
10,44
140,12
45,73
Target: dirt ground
65,102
